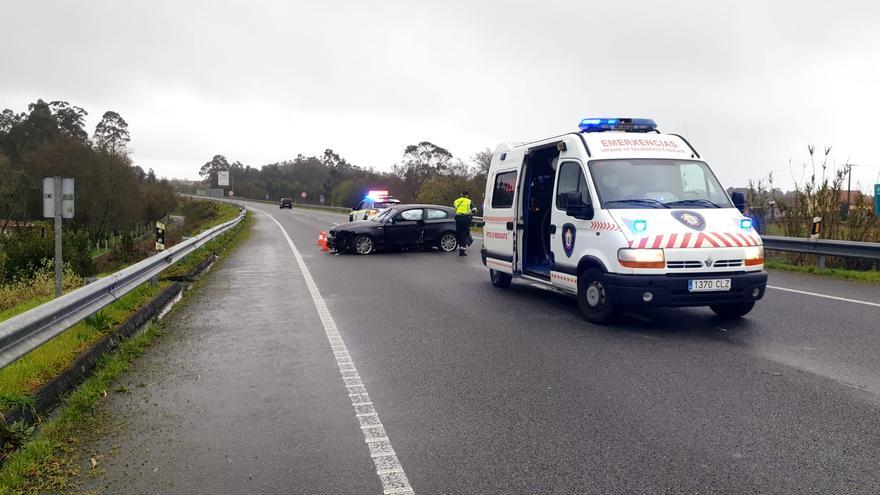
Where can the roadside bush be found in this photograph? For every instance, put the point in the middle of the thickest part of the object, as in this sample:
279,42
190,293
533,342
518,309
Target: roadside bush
25,253
40,284
125,250
819,193
196,212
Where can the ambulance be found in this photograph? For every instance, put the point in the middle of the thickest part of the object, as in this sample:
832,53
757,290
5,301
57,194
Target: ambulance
621,216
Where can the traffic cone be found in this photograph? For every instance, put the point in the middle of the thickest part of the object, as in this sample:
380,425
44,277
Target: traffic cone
322,241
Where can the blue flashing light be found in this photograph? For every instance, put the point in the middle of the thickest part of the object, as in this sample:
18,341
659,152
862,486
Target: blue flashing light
619,124
745,224
640,225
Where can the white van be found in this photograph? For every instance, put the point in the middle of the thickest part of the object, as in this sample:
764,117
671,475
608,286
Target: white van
621,216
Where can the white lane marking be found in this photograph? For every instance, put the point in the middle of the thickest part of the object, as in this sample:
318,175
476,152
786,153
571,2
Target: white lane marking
388,469
826,296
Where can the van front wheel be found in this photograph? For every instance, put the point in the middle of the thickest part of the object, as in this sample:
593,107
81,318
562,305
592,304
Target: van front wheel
734,310
594,300
500,279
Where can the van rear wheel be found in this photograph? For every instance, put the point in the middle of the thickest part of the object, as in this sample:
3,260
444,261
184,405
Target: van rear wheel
500,279
594,301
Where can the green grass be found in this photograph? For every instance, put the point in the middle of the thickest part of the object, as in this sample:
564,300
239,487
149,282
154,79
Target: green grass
861,276
48,462
21,378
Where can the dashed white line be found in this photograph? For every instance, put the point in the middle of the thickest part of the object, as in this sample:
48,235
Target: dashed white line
388,467
826,296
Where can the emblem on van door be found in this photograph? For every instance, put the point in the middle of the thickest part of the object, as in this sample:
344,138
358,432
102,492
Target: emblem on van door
691,219
569,232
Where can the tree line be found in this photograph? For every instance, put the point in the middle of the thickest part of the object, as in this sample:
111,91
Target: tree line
112,194
426,173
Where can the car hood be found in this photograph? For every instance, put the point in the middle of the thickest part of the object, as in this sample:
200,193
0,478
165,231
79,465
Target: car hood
358,226
668,228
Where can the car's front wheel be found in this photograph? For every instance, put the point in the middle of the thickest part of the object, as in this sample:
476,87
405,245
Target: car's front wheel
734,310
448,242
363,244
593,299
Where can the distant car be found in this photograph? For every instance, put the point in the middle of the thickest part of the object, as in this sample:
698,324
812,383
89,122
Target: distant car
372,206
398,226
286,203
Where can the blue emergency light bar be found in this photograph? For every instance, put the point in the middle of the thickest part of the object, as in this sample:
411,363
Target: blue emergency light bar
625,125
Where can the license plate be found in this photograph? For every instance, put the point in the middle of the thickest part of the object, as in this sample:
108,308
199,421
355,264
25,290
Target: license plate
709,285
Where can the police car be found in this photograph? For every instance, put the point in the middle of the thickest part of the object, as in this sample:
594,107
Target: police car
372,204
620,215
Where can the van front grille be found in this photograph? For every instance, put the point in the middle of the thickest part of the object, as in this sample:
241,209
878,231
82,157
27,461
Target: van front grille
727,263
683,264
678,265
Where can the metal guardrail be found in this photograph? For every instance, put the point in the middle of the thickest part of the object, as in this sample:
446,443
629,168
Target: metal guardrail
23,333
822,247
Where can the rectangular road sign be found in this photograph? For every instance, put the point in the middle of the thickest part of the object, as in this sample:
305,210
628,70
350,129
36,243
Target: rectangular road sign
67,197
223,178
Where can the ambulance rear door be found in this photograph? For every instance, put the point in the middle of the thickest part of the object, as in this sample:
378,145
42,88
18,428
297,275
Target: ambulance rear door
499,212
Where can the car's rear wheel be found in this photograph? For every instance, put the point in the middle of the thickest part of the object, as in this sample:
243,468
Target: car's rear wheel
448,242
594,301
500,279
363,244
734,310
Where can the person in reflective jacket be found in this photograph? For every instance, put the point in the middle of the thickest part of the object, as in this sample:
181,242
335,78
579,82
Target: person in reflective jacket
464,211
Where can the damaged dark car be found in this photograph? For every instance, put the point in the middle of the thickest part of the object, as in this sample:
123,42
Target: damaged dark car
398,227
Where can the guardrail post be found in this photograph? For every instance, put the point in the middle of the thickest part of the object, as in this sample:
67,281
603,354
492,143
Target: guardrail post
820,261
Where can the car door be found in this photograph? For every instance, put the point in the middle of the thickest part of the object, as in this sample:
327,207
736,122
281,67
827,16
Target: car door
405,228
567,231
437,221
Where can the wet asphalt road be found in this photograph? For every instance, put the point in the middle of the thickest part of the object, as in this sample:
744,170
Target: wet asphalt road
492,391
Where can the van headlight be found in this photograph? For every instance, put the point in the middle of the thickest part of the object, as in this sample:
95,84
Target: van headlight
754,255
641,258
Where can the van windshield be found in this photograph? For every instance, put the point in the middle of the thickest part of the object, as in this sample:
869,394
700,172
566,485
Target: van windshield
657,183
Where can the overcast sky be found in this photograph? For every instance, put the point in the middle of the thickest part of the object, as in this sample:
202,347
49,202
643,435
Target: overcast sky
750,83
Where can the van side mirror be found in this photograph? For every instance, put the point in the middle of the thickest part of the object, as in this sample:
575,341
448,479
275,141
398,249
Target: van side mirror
576,207
739,200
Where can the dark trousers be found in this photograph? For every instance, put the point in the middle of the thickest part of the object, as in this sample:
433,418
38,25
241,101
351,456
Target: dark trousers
463,230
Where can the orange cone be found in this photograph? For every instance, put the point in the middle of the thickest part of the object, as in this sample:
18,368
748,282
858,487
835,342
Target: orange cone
322,241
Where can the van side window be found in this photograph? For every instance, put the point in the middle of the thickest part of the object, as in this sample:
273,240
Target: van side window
571,179
505,185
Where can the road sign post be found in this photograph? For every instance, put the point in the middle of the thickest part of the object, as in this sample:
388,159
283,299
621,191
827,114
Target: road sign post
877,199
58,203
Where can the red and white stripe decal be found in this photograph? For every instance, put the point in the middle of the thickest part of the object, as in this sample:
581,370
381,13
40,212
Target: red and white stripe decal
564,277
600,225
698,240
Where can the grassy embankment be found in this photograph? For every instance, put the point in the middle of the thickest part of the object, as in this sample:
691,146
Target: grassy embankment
858,275
45,461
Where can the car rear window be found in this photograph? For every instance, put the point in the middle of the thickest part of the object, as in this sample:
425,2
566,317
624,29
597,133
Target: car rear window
436,214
